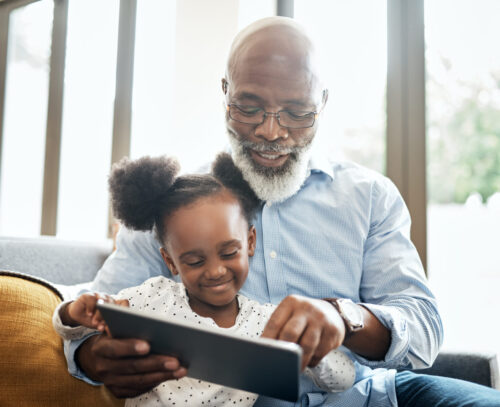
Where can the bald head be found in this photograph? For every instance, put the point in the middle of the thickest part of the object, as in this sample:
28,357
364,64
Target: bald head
277,42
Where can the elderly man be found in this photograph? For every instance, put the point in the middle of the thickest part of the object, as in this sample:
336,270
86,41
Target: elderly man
333,247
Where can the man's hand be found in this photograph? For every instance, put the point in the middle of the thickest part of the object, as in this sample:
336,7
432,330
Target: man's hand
125,365
313,324
318,328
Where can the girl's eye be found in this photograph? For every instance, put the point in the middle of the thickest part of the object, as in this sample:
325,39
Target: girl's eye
195,263
229,255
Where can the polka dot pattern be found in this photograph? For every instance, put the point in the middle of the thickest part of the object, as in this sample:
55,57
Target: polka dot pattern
162,296
335,373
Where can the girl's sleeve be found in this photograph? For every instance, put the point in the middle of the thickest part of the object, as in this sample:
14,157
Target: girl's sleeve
335,372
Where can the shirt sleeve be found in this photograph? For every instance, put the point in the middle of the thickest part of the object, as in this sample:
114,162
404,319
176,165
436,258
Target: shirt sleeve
394,287
73,338
335,372
136,258
70,348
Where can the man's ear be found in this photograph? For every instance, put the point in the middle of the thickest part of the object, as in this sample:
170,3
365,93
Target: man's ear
324,98
224,85
168,261
252,241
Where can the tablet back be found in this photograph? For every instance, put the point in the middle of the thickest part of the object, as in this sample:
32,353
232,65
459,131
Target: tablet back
262,366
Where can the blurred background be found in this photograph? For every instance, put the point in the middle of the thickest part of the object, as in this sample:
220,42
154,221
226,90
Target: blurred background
414,93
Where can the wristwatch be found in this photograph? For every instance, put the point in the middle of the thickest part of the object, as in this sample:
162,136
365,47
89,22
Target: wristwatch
350,313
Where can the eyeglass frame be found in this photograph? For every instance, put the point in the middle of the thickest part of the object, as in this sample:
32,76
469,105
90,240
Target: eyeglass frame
276,115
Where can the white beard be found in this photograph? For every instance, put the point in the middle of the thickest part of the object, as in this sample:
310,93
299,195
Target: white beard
272,184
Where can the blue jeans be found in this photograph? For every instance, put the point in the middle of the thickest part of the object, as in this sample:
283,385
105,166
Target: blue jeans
420,390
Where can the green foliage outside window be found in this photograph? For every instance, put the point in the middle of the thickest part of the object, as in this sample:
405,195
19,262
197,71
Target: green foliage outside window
463,140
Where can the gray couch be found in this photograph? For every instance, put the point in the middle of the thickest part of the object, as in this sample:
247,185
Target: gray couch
67,262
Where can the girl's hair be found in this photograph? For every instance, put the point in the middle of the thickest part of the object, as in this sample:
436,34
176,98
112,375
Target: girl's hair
146,190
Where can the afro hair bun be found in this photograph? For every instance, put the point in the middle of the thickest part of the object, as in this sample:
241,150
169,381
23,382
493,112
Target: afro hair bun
138,188
224,169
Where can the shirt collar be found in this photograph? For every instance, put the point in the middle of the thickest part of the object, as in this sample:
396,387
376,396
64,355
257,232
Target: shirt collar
320,163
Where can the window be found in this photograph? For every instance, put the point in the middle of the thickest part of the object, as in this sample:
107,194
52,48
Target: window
25,115
463,145
89,92
352,35
180,55
154,73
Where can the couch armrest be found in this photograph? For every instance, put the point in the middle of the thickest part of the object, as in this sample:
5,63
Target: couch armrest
481,368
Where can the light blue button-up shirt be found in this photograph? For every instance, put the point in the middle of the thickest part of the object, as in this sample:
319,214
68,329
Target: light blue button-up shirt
345,233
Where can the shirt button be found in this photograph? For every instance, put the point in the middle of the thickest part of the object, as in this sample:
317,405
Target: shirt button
273,254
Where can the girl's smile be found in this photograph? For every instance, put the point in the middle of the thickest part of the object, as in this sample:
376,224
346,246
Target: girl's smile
218,285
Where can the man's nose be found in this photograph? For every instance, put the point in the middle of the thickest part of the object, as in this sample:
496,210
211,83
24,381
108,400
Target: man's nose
270,129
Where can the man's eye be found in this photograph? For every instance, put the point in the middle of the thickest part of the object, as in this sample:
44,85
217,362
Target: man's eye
249,110
298,115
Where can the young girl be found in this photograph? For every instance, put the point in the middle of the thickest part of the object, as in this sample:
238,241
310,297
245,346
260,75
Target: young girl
204,225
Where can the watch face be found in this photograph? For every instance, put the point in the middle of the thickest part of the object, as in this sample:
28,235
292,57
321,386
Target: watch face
351,312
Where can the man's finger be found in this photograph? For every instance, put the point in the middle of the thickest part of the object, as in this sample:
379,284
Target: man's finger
293,328
133,385
148,364
309,343
279,317
118,348
326,344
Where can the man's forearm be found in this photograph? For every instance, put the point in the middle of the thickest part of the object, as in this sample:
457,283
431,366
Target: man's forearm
372,341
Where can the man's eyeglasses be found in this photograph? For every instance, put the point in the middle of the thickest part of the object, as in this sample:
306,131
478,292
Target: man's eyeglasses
286,118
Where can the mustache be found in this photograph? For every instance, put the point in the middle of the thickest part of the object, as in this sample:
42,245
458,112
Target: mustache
267,147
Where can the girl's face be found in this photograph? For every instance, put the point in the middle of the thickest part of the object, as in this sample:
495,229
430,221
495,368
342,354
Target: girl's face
208,243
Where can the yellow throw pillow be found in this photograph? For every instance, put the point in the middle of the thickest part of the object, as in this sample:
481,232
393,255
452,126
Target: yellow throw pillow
33,369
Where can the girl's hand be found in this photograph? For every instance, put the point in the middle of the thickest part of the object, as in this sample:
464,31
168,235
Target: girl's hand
83,311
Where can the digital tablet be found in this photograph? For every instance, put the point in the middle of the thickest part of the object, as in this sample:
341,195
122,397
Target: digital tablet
264,366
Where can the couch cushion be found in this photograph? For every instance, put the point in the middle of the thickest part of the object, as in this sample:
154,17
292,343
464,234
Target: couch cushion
32,365
56,260
480,368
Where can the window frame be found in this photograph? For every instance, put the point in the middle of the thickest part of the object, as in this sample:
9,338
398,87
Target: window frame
406,145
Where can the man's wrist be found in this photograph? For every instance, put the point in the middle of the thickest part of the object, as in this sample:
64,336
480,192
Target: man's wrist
350,314
81,351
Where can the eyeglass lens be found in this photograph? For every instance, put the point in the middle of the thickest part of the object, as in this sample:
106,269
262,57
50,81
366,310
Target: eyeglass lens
285,118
